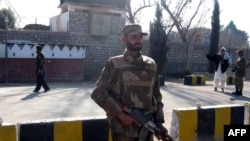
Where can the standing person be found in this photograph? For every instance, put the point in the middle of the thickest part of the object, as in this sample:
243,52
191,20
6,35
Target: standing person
240,72
40,71
222,62
129,80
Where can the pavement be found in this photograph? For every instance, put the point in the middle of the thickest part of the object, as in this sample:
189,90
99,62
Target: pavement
19,104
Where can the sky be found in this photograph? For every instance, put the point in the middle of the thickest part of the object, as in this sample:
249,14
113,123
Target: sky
34,11
237,11
40,11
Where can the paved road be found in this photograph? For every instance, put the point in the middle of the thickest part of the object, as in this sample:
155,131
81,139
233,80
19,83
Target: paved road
71,100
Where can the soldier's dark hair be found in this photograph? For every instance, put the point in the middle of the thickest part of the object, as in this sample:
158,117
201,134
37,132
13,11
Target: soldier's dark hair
39,48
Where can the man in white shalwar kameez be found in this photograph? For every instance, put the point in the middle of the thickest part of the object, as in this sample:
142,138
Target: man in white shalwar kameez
222,61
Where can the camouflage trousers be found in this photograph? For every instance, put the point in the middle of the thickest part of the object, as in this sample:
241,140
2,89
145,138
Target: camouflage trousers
239,82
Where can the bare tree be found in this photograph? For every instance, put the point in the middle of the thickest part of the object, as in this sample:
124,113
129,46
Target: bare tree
134,11
183,15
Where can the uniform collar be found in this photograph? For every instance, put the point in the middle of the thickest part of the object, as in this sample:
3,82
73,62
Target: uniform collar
130,59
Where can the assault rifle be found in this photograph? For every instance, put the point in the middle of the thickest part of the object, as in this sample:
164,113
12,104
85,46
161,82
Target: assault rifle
147,125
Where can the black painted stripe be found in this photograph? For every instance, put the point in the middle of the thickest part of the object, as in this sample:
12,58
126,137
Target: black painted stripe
95,130
37,131
230,80
237,115
199,80
206,123
188,80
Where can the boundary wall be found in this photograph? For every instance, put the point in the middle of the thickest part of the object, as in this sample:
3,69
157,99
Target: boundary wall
63,63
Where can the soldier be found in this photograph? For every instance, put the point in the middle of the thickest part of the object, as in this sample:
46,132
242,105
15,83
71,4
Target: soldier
40,71
240,72
129,80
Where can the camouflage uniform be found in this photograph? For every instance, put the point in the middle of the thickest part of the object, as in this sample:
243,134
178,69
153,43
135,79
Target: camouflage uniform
240,73
134,81
40,63
40,71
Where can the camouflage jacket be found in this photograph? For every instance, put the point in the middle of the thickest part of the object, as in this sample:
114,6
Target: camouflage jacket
40,63
241,66
134,81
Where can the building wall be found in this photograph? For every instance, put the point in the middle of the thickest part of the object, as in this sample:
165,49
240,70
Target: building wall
59,23
177,58
86,63
63,63
97,57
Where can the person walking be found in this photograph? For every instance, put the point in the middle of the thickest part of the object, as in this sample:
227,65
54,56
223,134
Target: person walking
240,72
40,71
222,61
129,80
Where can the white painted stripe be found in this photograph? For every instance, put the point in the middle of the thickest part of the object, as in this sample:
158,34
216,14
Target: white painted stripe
29,51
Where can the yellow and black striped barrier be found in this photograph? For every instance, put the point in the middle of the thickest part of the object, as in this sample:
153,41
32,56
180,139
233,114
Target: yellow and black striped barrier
247,113
230,80
8,133
77,130
194,80
205,123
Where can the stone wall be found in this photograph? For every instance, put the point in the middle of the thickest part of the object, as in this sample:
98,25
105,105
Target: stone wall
100,49
177,59
96,58
198,62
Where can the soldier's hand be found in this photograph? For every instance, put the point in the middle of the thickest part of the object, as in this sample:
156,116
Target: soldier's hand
127,120
164,132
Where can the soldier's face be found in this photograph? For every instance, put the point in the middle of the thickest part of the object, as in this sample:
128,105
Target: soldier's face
240,53
134,42
38,51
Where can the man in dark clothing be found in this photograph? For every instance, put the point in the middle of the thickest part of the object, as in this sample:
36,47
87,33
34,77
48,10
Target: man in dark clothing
40,71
